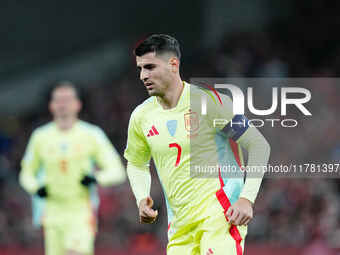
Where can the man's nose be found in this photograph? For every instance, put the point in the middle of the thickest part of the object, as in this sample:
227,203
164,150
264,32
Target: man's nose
144,75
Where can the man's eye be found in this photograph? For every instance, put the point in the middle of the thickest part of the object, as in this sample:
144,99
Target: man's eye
149,67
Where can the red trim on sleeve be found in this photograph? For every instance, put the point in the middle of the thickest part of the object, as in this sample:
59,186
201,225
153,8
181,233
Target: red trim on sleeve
234,148
215,92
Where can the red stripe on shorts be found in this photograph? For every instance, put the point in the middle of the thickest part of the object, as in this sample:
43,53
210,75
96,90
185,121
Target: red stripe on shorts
225,203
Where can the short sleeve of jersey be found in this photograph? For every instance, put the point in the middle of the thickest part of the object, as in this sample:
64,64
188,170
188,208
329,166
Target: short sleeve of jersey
222,118
220,111
137,150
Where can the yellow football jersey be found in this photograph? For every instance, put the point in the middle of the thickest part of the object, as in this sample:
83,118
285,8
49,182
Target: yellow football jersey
179,140
60,159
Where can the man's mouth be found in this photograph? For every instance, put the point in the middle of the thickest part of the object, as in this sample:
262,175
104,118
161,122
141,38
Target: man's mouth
148,85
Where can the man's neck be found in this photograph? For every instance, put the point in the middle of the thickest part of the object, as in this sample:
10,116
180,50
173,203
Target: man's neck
65,124
172,95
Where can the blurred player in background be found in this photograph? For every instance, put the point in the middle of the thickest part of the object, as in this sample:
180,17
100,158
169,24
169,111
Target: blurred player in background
58,170
206,215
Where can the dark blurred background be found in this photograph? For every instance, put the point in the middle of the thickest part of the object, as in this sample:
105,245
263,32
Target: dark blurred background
91,42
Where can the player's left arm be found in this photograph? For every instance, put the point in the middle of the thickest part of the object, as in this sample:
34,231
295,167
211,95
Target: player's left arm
30,165
241,212
112,171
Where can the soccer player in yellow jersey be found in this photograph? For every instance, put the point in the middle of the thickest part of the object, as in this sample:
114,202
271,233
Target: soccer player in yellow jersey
58,170
206,215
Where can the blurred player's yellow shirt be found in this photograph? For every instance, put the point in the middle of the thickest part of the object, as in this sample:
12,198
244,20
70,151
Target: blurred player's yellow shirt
169,136
60,159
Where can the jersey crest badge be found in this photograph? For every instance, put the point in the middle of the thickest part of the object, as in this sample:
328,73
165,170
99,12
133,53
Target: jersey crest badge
172,126
191,121
64,147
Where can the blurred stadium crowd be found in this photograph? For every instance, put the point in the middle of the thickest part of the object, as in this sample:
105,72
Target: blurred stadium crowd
301,214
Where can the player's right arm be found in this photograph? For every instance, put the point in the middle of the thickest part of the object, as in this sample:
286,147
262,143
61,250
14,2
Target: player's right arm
30,166
138,155
140,181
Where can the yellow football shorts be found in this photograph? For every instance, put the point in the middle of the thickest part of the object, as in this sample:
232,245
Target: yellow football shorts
210,236
77,235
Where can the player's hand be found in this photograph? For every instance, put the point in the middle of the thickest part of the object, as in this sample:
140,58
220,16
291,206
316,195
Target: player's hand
241,212
88,180
146,213
42,192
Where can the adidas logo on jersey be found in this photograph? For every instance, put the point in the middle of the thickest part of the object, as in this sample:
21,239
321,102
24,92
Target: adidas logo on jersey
152,132
209,252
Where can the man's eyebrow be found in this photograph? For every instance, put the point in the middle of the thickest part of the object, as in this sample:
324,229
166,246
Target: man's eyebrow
147,66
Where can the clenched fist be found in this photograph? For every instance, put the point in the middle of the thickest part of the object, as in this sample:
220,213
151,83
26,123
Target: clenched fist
146,213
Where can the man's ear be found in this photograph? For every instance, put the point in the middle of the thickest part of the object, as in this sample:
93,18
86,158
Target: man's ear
79,106
174,63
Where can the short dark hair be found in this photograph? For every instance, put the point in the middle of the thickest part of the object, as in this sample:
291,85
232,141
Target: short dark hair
64,84
158,43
